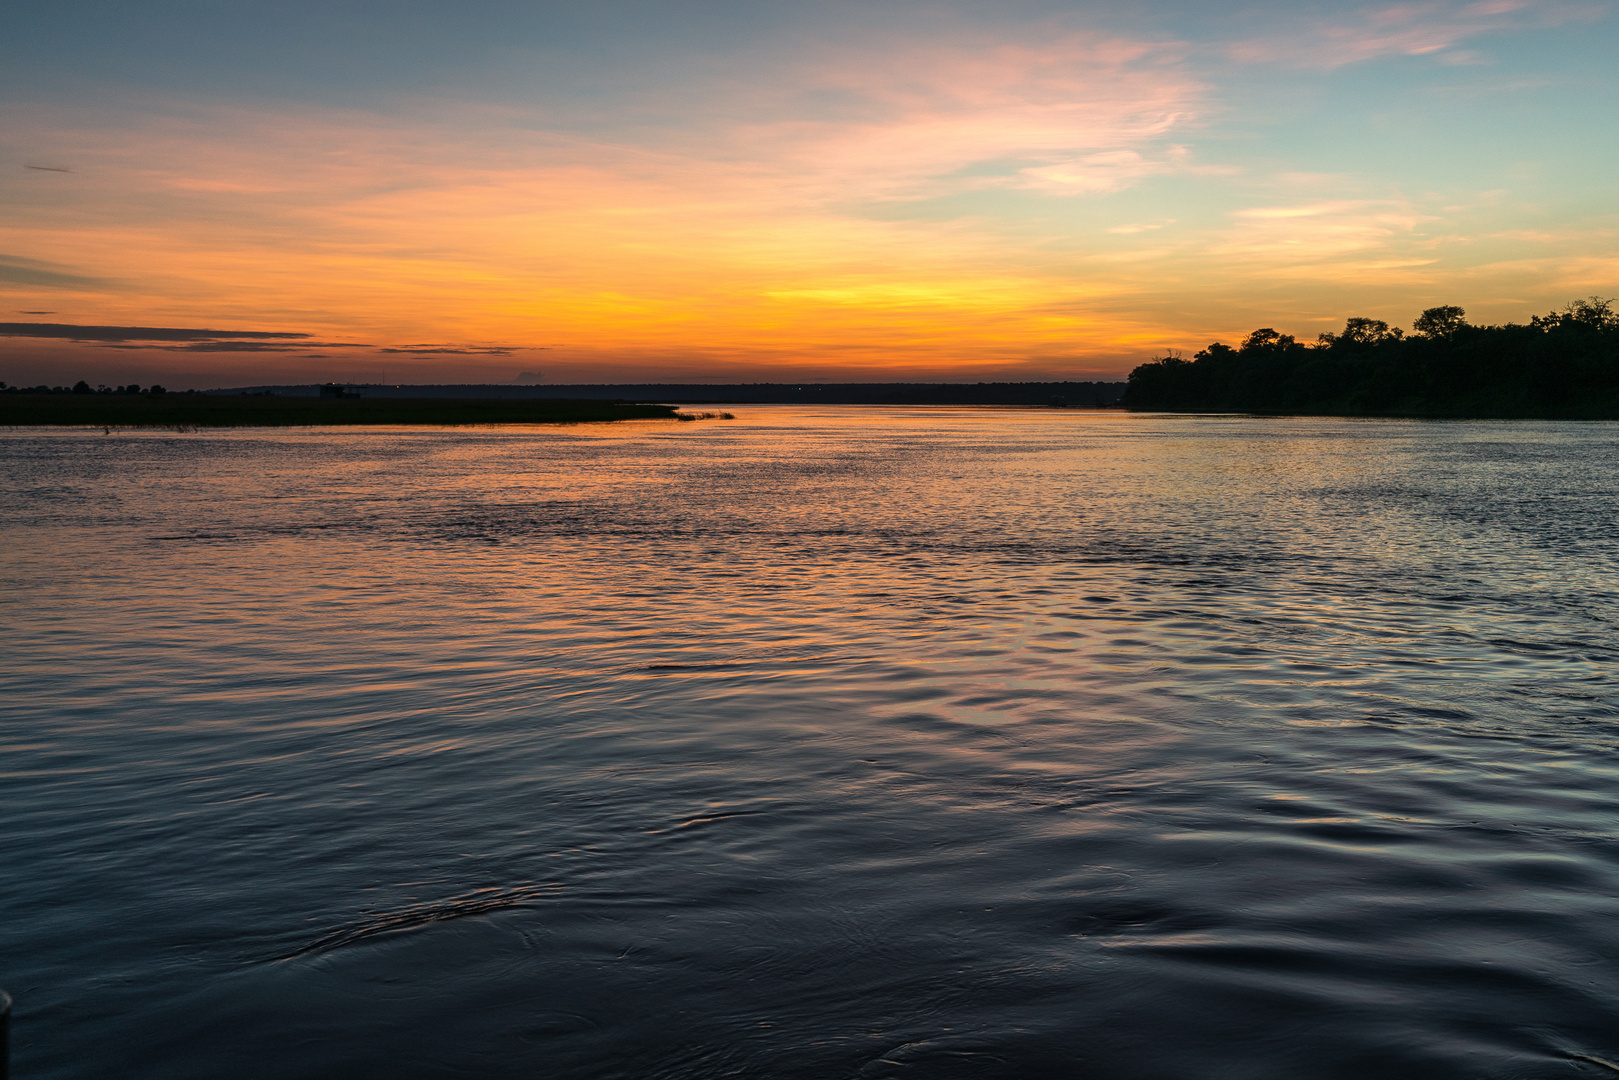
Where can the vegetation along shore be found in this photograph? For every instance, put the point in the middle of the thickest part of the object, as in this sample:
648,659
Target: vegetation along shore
148,409
1563,365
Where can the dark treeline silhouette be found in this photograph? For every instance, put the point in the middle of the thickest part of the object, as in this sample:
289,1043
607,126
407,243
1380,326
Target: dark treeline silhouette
1561,365
81,387
189,410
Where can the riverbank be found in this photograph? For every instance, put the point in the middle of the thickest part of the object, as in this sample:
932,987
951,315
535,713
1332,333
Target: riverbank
207,410
1562,366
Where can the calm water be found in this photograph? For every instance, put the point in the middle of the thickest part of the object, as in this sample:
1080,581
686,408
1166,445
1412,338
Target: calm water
823,743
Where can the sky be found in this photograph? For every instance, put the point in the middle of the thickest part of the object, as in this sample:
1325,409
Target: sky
208,193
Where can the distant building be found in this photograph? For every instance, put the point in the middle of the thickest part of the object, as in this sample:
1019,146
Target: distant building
337,390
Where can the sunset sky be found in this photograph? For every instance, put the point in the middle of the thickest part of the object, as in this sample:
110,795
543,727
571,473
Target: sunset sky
712,190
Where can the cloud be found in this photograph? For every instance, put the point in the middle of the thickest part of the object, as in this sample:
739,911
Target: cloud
1093,173
1140,227
230,346
450,350
1413,29
1078,110
155,339
1343,241
131,333
20,271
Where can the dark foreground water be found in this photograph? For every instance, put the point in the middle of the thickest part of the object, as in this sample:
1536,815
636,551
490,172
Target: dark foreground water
837,743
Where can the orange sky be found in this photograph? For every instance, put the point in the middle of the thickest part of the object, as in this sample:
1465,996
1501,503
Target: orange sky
1045,202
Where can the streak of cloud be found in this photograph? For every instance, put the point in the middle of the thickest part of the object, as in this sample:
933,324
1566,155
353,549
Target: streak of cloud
22,271
228,346
131,333
446,350
1410,29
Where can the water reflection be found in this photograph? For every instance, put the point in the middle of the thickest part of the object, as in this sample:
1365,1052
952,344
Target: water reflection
838,742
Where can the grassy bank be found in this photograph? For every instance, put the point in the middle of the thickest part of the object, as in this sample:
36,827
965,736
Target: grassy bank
201,410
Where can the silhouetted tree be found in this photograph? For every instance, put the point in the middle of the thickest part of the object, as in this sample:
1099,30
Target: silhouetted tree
1592,313
1265,338
1564,363
1440,322
1361,333
81,387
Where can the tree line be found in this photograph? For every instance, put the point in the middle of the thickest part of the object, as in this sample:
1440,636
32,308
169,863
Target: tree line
1564,364
82,387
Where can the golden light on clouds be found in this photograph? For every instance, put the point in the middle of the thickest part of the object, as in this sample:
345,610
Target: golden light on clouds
1046,205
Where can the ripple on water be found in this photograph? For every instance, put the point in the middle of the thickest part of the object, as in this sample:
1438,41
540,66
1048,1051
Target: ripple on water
854,743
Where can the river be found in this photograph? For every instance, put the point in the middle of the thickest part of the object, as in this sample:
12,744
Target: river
818,743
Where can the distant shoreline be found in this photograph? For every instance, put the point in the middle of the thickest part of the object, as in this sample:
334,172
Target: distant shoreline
216,410
1050,394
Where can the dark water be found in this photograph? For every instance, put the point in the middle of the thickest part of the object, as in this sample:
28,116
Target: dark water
837,743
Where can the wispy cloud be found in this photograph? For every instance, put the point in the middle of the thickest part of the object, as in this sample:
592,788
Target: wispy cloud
48,275
1413,29
230,347
158,339
132,333
1078,110
450,350
1340,240
1140,227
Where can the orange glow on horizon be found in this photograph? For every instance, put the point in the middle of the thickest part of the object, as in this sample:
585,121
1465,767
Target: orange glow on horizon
958,212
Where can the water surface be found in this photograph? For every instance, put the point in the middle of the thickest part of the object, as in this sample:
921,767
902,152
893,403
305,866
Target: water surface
822,743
